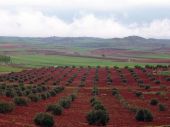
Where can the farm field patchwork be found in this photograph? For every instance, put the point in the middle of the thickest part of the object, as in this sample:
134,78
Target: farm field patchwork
57,60
75,96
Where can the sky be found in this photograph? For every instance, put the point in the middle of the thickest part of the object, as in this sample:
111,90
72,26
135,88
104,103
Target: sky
87,18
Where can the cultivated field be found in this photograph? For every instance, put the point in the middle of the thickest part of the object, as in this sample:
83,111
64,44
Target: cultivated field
59,60
124,97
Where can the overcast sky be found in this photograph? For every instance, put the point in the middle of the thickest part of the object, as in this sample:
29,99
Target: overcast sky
92,18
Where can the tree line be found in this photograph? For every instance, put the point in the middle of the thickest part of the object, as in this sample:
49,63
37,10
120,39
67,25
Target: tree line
5,59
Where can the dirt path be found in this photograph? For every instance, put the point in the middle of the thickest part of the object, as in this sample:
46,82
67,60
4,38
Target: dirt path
119,116
75,116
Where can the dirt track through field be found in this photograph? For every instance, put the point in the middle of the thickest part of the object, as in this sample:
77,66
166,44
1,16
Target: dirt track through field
75,116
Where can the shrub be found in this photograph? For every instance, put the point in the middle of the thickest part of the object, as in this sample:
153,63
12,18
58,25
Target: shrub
43,96
34,97
99,107
72,97
138,93
95,102
92,100
162,107
44,119
58,89
97,117
115,91
154,102
168,79
147,87
20,101
26,92
55,109
65,103
19,93
157,81
48,94
144,115
6,107
52,93
9,93
95,91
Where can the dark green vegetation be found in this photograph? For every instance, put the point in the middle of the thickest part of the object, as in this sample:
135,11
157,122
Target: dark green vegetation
144,115
6,107
56,109
98,115
44,120
21,101
154,102
162,107
5,59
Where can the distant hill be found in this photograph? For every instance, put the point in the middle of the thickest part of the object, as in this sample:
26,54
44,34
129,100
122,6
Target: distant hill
131,42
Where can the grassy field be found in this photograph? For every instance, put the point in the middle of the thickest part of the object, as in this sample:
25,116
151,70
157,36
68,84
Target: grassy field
5,68
51,60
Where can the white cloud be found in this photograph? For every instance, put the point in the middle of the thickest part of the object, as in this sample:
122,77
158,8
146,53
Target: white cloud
83,4
35,23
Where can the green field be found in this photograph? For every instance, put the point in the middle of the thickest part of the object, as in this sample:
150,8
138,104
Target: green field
5,68
56,60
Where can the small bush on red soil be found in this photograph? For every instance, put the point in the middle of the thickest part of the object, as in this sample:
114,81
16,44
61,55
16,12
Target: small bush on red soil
72,97
154,102
95,102
58,89
115,91
44,120
138,93
48,95
95,91
9,93
26,92
52,93
157,81
97,117
92,100
43,96
168,79
6,107
21,101
162,107
99,107
65,102
144,115
34,97
55,109
147,87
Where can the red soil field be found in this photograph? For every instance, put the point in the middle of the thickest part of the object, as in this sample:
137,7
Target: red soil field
126,80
